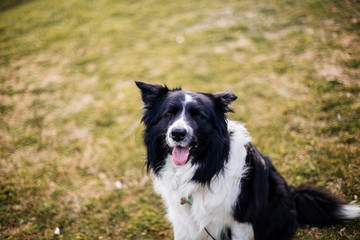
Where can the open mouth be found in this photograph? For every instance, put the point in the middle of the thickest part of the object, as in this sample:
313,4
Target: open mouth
180,155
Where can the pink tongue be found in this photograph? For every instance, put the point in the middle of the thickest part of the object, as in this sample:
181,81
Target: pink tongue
180,155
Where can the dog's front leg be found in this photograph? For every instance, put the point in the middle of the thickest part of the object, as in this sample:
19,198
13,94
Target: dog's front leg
185,228
242,231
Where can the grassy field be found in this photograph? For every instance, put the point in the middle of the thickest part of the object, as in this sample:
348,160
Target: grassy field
71,154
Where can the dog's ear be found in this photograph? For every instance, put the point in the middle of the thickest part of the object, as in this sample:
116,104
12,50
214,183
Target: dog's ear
150,93
223,100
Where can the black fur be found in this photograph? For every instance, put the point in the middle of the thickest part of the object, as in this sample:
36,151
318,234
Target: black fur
226,234
316,206
265,200
275,209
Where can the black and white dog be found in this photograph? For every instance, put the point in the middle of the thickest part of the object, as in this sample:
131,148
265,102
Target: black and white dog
215,183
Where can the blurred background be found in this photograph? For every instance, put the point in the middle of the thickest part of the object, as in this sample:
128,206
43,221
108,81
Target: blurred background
72,159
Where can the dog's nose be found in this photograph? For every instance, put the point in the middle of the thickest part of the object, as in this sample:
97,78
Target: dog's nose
178,134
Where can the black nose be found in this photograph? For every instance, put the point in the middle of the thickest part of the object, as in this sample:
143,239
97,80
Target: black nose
178,134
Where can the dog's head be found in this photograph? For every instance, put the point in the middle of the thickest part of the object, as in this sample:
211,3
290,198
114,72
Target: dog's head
188,125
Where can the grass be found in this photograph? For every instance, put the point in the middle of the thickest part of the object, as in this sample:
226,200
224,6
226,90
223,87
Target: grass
70,112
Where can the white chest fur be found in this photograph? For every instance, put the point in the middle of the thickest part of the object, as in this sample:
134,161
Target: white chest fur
212,206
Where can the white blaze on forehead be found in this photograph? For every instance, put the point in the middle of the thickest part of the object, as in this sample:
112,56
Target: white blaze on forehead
181,122
188,98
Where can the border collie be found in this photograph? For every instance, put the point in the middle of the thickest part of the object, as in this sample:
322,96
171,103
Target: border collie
215,183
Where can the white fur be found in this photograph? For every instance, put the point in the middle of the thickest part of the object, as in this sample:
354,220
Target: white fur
188,98
350,211
212,207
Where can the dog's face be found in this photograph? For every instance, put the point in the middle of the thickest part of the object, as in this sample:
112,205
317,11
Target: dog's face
183,124
187,117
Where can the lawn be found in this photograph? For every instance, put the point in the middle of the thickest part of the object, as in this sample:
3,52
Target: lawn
71,153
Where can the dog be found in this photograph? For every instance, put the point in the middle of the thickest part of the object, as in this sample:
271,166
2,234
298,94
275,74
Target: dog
214,182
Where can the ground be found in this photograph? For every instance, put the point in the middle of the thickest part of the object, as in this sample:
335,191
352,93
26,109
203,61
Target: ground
70,135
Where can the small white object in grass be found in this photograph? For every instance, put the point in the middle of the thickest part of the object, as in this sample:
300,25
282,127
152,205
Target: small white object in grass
311,165
180,39
57,231
355,197
118,185
21,221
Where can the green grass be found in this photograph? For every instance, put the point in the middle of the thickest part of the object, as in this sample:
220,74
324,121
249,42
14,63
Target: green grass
70,112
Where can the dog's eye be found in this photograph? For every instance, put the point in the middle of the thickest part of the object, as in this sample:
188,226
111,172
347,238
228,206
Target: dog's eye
197,114
169,115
